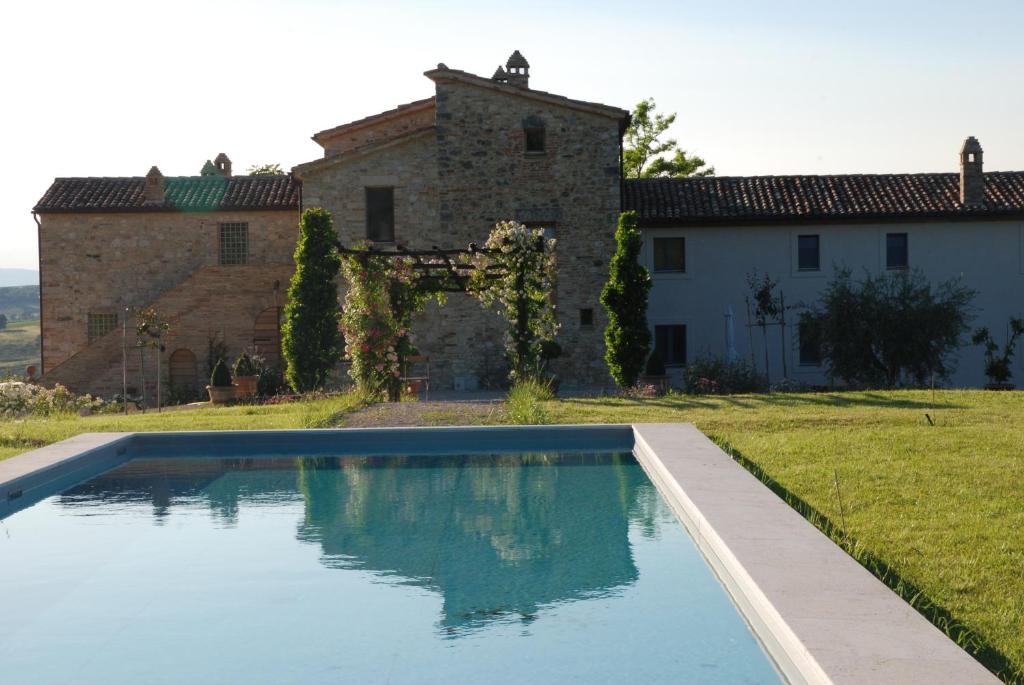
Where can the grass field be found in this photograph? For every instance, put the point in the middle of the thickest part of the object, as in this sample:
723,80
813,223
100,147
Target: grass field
19,347
932,486
19,435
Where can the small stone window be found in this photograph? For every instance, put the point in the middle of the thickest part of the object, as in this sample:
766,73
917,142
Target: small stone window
535,135
808,253
234,243
587,317
670,341
380,215
670,254
99,324
896,251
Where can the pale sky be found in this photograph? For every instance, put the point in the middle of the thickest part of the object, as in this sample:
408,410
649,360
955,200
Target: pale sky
109,88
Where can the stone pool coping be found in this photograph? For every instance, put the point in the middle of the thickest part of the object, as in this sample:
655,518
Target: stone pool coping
821,616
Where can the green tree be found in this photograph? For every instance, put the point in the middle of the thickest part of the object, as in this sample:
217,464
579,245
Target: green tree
265,170
644,151
627,338
889,329
3,321
310,339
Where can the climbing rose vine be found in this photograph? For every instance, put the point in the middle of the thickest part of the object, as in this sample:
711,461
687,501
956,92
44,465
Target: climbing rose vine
514,274
522,292
382,297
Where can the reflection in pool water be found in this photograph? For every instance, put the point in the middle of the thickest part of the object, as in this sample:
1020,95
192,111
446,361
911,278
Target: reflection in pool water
517,568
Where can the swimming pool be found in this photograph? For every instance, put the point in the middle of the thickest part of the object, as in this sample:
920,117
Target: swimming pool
546,554
544,567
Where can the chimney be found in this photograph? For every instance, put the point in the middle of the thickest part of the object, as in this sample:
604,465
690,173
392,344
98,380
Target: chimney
499,75
154,188
972,180
223,164
209,169
518,70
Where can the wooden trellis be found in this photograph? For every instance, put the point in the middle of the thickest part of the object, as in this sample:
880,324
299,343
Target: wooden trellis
440,270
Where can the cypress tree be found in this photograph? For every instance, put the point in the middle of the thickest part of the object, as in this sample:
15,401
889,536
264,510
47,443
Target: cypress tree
310,340
627,338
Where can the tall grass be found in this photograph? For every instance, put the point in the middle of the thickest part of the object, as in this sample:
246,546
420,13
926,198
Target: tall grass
526,402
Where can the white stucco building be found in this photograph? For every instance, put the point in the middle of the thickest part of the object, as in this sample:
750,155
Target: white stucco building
703,236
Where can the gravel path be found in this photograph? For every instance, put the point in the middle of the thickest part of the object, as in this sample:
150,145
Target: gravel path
441,413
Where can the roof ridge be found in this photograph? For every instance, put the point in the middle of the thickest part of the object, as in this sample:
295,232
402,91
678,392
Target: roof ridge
848,175
522,92
372,117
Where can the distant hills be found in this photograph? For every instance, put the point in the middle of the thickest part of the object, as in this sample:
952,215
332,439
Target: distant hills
9,277
19,303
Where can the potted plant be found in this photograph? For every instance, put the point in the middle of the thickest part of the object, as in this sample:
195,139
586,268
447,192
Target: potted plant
997,364
246,376
654,372
220,388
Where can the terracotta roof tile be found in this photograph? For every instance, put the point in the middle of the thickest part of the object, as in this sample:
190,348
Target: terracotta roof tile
765,199
183,194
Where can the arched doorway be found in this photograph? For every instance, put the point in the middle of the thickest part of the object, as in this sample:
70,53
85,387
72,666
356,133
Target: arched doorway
266,335
183,371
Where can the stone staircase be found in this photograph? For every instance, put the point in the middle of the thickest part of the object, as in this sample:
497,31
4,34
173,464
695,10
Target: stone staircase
219,301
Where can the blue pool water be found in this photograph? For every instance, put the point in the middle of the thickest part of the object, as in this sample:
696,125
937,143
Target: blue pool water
545,568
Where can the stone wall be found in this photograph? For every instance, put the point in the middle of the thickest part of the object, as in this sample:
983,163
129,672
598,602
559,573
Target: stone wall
486,177
215,301
350,137
453,185
103,263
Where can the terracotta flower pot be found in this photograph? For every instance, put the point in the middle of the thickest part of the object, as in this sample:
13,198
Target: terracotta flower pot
245,386
221,394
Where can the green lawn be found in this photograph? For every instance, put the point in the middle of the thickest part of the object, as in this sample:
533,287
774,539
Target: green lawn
935,508
19,347
19,435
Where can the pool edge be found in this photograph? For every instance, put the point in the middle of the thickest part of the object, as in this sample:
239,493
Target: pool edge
821,616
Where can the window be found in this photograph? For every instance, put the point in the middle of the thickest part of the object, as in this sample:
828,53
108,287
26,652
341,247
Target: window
808,253
670,254
100,324
587,317
896,252
535,140
810,347
670,341
234,243
380,215
534,135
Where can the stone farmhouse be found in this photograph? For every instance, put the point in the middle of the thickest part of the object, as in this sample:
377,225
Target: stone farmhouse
213,252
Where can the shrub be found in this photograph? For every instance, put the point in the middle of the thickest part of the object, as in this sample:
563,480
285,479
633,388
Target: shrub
221,377
655,364
888,329
715,376
270,382
244,366
23,399
310,337
627,338
997,364
524,402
